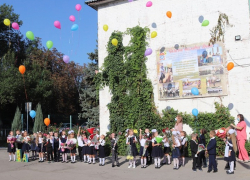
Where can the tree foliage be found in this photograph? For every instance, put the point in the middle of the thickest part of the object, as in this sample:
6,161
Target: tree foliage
39,124
17,122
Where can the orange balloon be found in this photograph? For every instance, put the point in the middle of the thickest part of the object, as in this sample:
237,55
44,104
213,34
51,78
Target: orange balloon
230,66
47,121
169,14
22,69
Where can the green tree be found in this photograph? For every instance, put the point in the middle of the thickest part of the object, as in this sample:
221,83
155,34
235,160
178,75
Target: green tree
17,123
39,124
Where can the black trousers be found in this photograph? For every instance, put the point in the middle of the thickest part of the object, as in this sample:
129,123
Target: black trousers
56,154
80,152
150,155
212,163
196,163
49,154
202,158
115,157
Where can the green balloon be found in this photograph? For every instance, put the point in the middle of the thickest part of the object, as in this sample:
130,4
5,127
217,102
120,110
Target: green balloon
30,35
49,44
205,23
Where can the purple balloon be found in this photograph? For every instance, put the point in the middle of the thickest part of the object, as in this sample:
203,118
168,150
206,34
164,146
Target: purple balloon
66,59
148,52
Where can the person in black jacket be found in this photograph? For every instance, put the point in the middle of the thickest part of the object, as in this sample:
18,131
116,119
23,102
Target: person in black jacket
202,140
56,147
194,151
49,147
211,149
114,148
149,149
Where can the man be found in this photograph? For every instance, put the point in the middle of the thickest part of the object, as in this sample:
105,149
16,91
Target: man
96,150
149,136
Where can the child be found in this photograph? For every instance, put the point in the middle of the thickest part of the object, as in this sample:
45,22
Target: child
230,149
157,152
143,150
183,146
41,148
33,146
80,144
202,140
211,149
18,136
114,147
102,150
85,148
91,149
194,151
72,142
49,147
131,140
11,146
167,150
62,146
26,146
176,149
56,147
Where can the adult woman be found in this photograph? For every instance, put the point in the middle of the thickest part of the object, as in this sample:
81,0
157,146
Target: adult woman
241,138
178,125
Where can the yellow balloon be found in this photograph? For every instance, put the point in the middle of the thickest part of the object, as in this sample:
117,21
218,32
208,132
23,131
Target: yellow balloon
153,34
105,27
114,42
6,22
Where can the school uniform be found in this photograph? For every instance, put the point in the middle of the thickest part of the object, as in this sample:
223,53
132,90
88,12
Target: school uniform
229,147
130,139
33,146
142,143
102,148
183,148
114,147
56,151
41,147
85,146
19,144
80,146
91,148
26,146
63,140
211,148
176,151
157,151
167,148
149,149
73,150
11,148
49,148
202,158
194,150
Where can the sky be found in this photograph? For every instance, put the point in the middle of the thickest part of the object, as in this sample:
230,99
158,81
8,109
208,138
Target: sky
38,16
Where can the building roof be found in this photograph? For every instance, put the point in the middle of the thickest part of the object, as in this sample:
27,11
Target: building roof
95,3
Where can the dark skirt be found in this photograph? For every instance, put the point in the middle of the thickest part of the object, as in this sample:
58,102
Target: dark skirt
167,150
230,158
33,147
19,145
91,150
101,151
73,150
182,151
11,150
157,151
176,152
141,152
40,149
26,147
65,150
134,151
84,150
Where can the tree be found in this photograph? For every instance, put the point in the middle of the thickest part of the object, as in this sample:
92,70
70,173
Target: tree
89,97
17,124
39,124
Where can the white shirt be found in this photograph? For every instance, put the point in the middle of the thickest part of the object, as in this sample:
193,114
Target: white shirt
166,143
26,139
80,142
142,142
177,142
91,144
102,142
183,140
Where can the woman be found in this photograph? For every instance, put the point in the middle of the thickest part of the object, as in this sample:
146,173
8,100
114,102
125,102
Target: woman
178,125
241,138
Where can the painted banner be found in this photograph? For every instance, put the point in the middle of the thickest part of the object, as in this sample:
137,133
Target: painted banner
201,66
18,155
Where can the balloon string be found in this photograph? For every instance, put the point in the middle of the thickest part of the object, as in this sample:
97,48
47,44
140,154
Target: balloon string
25,88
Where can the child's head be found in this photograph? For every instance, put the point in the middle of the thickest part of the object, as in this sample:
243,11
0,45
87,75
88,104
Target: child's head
183,133
17,132
212,134
40,134
72,134
147,131
51,133
203,131
34,134
63,132
193,136
130,132
102,136
84,136
179,119
25,133
112,135
56,134
155,133
11,133
48,136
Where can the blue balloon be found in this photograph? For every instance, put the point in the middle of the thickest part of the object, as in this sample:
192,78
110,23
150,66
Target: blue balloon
74,27
195,91
195,112
32,114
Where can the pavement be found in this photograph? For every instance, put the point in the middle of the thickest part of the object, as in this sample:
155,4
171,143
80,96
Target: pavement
67,171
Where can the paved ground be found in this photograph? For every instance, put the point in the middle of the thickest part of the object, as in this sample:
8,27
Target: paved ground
62,171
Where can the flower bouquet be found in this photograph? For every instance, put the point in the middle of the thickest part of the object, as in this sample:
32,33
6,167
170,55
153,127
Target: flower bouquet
117,139
13,139
201,147
167,133
221,133
129,153
63,147
145,147
19,139
70,144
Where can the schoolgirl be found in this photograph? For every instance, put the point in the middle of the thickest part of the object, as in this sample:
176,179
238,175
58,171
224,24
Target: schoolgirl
230,149
143,150
41,148
33,146
26,146
85,148
131,141
71,142
157,152
102,150
167,150
184,141
202,140
114,151
11,146
62,146
56,147
80,144
91,152
176,150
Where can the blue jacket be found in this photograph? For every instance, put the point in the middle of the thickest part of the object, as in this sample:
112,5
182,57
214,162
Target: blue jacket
202,140
211,147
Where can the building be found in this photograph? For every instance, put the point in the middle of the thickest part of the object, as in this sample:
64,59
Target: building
185,30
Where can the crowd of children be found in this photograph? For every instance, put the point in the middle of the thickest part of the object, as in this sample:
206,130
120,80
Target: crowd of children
56,145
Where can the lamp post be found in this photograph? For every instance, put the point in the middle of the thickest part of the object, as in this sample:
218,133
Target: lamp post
28,106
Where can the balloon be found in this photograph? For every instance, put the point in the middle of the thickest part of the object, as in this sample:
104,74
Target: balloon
169,14
195,112
78,7
162,49
153,34
201,18
195,91
32,114
6,22
154,25
15,26
66,59
91,130
72,18
114,42
230,66
30,35
230,106
176,46
22,69
105,27
205,23
47,121
74,27
49,44
57,24
149,4
148,52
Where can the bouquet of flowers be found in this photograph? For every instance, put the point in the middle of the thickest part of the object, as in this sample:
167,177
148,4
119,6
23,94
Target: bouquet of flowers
70,144
129,153
167,133
221,133
13,139
117,139
145,147
19,139
201,147
63,147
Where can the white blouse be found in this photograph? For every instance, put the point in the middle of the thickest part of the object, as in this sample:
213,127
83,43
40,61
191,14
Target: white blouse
102,142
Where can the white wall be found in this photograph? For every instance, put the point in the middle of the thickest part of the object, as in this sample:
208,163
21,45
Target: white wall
183,29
